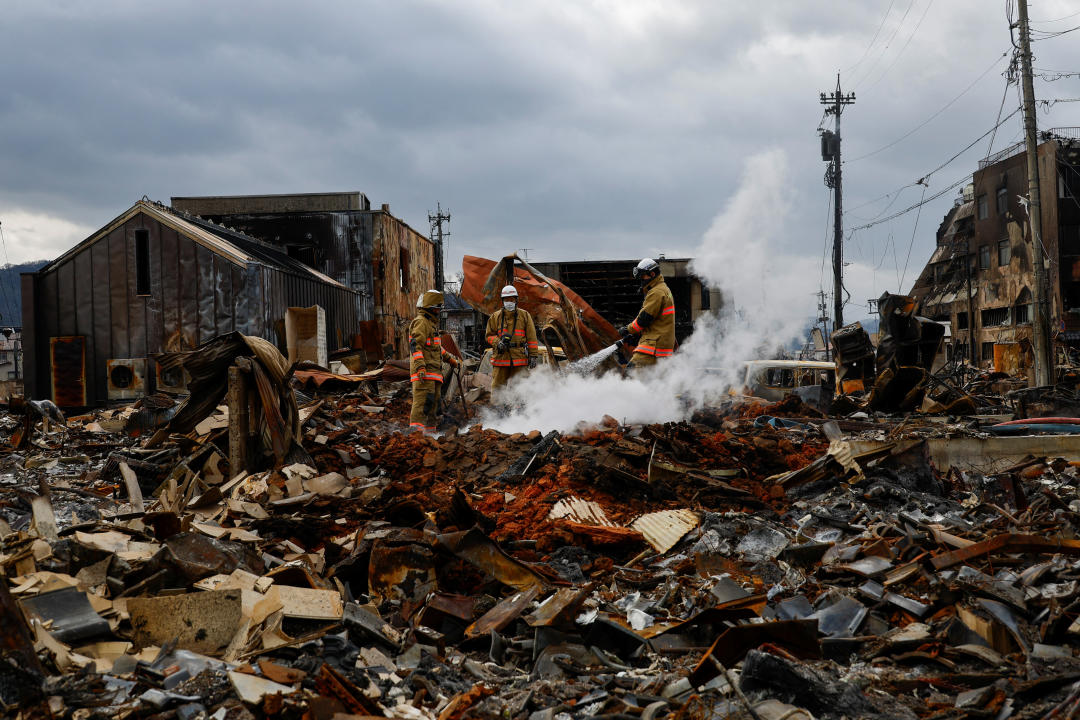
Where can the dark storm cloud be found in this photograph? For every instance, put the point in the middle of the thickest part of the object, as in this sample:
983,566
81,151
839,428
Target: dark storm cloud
606,128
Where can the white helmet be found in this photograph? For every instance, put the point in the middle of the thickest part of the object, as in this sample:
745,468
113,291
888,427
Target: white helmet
509,291
647,265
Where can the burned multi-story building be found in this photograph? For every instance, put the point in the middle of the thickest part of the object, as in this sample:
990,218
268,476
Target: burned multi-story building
372,252
980,279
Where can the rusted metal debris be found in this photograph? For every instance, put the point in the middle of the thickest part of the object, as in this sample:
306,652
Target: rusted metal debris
557,309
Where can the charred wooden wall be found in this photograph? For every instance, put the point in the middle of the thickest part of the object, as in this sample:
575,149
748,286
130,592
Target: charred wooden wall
194,295
366,250
404,267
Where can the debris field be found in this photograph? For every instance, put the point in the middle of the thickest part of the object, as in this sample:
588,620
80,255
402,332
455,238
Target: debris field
756,561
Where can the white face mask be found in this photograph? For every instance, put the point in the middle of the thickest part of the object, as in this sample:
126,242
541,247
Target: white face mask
509,305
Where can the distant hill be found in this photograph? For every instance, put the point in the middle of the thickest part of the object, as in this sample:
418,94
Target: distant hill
11,291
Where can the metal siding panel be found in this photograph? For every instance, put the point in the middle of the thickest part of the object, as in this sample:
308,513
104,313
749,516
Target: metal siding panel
118,293
237,276
205,298
47,321
155,304
136,303
170,286
65,288
223,295
32,353
84,318
102,341
189,292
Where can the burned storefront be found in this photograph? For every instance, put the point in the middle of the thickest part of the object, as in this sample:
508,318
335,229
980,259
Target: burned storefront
152,281
386,262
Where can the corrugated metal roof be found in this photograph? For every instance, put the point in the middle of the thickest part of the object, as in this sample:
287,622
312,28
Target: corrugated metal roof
223,242
582,511
665,528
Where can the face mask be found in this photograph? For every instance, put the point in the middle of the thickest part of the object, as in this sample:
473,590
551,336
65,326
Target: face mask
509,305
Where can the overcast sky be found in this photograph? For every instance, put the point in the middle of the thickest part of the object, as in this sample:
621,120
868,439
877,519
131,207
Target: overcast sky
577,129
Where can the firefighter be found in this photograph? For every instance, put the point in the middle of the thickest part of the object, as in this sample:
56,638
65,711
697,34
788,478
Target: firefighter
512,337
426,356
654,327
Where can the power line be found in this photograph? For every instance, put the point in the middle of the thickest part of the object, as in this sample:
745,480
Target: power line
1048,35
900,287
1056,19
923,124
899,54
924,178
997,123
887,44
917,205
971,145
873,39
825,249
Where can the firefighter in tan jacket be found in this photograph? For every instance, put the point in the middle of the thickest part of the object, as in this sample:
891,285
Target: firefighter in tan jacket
654,327
511,334
425,364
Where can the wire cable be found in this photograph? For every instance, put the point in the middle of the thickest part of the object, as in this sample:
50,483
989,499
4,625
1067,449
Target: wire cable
924,178
1046,35
825,251
887,44
1055,19
900,287
917,205
997,123
873,39
900,54
926,122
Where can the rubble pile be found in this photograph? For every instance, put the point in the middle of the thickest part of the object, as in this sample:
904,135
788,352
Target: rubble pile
754,562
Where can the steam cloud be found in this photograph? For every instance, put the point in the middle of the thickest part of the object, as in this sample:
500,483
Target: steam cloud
764,298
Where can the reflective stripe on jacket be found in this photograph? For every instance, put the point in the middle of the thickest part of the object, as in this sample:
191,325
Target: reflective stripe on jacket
655,323
521,330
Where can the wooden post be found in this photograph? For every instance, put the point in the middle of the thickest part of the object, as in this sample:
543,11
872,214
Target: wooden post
238,421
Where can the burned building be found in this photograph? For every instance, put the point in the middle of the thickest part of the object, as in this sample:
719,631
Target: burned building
980,278
465,323
610,288
151,281
381,258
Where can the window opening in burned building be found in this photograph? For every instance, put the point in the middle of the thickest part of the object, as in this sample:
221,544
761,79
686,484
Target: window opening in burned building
142,262
403,268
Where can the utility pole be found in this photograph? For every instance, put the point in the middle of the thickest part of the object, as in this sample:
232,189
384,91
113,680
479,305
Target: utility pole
1044,359
438,236
834,104
823,320
970,312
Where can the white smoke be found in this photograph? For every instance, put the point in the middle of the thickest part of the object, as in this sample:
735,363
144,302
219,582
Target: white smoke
766,297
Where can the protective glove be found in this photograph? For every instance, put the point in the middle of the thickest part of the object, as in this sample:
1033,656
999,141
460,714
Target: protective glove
504,344
454,363
624,332
532,362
